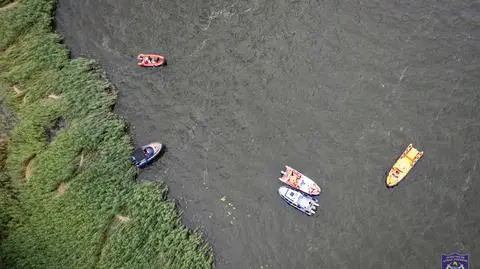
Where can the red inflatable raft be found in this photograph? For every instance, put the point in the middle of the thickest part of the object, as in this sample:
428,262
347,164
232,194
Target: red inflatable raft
151,60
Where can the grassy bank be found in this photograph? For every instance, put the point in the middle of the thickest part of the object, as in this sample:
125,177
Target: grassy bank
68,194
5,2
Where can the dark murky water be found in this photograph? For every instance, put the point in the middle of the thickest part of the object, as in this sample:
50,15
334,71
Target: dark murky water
336,90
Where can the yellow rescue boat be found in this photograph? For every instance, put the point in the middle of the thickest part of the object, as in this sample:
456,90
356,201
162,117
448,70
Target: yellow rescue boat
403,165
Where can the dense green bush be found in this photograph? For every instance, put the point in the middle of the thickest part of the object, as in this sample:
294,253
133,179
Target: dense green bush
69,198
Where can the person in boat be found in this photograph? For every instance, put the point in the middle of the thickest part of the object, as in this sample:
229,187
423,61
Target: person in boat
148,152
146,60
293,178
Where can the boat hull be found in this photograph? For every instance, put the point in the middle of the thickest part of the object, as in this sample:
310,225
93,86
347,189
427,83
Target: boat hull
403,166
159,60
299,200
146,160
299,181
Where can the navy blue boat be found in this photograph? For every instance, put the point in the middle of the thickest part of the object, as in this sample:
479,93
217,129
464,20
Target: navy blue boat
143,156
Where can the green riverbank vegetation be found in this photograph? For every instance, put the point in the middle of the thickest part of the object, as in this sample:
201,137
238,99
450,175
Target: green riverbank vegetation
68,194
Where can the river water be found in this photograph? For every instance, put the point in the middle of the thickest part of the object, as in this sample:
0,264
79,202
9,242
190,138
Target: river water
335,89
